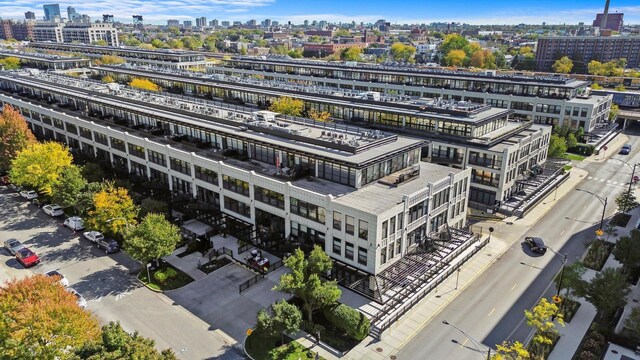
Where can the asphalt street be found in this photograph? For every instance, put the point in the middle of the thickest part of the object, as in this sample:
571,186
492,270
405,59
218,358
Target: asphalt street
491,309
107,282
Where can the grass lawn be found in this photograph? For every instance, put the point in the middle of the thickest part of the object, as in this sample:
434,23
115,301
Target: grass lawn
263,347
181,279
576,157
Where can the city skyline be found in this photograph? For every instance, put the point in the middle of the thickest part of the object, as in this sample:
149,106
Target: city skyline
409,12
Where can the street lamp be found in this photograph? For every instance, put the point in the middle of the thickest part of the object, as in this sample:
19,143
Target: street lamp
564,262
603,201
633,173
481,348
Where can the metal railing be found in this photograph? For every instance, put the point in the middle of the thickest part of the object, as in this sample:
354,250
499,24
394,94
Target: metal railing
247,284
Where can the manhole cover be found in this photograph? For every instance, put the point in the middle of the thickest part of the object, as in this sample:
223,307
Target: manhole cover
379,349
392,357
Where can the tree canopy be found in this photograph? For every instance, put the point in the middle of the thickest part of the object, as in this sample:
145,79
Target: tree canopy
572,280
511,351
113,210
66,192
144,84
351,54
281,318
111,60
626,201
304,280
39,165
400,51
455,57
540,319
39,319
607,291
557,146
152,239
15,135
563,65
627,251
10,63
287,106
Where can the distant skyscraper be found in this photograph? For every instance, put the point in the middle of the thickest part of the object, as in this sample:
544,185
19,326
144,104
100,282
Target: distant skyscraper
266,23
614,21
173,22
30,15
108,18
225,23
71,13
51,11
137,20
201,21
187,23
213,23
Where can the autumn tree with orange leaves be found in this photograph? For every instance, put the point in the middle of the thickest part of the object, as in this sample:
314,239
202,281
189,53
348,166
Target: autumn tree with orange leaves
39,319
15,135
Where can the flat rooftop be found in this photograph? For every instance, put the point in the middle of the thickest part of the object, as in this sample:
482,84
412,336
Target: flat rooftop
314,142
110,49
378,197
41,57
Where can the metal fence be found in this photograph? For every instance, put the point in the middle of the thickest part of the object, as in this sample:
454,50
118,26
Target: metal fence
247,284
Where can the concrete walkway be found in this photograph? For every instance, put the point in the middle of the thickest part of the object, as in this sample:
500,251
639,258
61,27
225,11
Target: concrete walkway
187,264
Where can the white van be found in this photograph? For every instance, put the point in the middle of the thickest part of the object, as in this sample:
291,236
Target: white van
74,223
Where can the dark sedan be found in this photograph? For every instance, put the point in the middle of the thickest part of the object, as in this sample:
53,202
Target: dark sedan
536,244
108,245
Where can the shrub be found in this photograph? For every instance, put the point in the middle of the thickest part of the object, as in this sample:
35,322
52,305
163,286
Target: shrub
582,149
348,319
587,355
598,338
170,272
161,276
591,345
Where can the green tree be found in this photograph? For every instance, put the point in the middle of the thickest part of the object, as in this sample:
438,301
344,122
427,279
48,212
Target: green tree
93,172
281,318
595,67
132,41
39,319
10,63
304,280
111,60
192,42
620,88
39,165
511,351
287,106
571,141
400,51
158,44
626,201
557,146
633,322
85,199
15,136
150,205
613,112
607,291
66,192
152,239
116,344
572,280
453,42
113,210
351,54
540,319
175,44
295,53
627,251
563,65
596,86
455,58
100,42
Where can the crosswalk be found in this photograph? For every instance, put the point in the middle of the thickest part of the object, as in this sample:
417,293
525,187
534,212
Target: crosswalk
609,182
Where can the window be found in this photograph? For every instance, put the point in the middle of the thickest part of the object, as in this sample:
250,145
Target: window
86,133
400,219
58,123
236,185
206,175
362,256
392,225
270,197
136,150
383,256
101,139
180,166
385,225
363,229
156,158
337,246
398,246
348,251
307,210
349,225
237,207
337,220
117,144
72,129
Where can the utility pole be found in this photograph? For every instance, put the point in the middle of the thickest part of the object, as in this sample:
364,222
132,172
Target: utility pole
604,208
633,173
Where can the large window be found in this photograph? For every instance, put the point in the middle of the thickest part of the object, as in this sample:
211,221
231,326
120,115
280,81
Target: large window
136,150
337,246
363,229
270,197
307,210
417,211
206,175
236,185
180,166
337,220
362,255
86,133
156,157
102,139
237,207
117,144
336,173
349,225
348,250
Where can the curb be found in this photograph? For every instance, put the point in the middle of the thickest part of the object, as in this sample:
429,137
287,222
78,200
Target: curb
147,286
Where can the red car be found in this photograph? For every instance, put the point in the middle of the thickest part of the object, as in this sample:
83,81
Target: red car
27,257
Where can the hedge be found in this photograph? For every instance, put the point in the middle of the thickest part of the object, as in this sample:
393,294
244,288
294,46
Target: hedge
582,149
348,319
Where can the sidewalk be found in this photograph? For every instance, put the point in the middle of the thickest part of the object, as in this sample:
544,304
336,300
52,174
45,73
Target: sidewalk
505,233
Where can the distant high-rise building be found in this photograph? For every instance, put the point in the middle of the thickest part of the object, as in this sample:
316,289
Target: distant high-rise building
173,22
306,23
275,23
187,23
51,11
5,29
30,15
583,49
237,23
252,22
213,23
266,23
137,20
108,18
225,23
201,21
71,13
614,21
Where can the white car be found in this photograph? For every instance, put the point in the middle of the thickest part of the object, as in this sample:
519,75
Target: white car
93,236
54,273
74,223
29,194
81,301
53,210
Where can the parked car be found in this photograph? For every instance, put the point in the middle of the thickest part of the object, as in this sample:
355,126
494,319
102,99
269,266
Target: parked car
27,258
54,273
53,210
81,301
15,187
536,244
12,245
626,149
93,236
74,223
108,245
29,194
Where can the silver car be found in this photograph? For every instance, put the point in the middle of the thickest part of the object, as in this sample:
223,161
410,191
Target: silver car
13,245
56,274
79,299
53,210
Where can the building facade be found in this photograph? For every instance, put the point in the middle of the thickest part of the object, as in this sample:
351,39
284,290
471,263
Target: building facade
90,33
49,32
51,12
587,48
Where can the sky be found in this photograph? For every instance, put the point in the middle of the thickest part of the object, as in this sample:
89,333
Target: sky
296,11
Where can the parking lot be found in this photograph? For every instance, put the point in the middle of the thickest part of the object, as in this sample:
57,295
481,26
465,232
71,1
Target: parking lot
107,282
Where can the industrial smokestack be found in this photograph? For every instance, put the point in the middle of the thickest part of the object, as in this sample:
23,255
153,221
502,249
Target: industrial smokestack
603,22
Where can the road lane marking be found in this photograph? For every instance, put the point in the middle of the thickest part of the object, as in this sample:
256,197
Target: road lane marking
514,286
562,232
491,312
463,343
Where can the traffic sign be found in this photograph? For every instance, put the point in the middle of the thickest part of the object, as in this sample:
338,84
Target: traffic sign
599,232
556,299
249,331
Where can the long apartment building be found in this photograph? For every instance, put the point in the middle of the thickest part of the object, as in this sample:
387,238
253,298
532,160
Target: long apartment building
157,58
460,134
549,100
364,196
84,34
46,61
